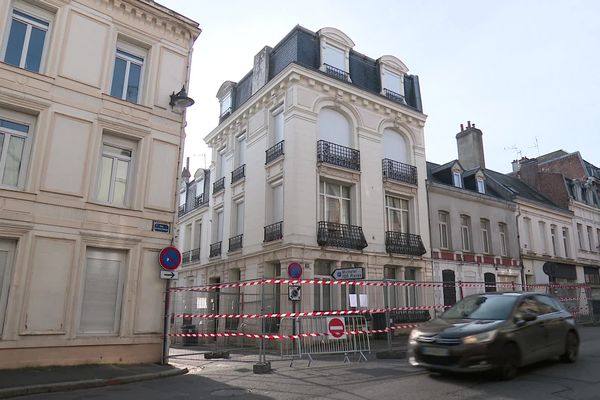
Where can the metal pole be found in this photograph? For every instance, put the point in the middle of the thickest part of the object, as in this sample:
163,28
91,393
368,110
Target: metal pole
386,303
262,358
165,348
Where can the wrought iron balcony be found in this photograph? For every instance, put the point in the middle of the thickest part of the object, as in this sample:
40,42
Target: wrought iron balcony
181,210
219,185
215,249
398,171
404,243
235,243
274,231
335,154
274,152
201,201
185,257
397,97
195,255
224,115
336,72
339,235
238,173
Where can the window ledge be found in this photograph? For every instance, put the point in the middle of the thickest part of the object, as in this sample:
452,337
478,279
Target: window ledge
22,71
116,100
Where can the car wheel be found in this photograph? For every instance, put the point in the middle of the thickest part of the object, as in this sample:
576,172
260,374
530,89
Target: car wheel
509,365
571,348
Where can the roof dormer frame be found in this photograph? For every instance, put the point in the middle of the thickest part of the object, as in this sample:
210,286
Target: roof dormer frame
336,39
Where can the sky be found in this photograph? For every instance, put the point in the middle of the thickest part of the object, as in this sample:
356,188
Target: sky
527,73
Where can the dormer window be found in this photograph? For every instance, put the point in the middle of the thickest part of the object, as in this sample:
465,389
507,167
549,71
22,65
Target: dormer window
335,53
393,85
225,107
225,96
480,185
457,179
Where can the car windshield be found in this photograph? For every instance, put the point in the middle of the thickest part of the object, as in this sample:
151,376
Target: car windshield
495,307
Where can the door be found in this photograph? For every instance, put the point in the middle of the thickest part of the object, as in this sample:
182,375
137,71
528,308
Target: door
213,304
555,324
6,261
449,282
531,335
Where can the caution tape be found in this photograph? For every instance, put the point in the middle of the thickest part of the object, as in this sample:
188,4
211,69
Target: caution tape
296,336
309,313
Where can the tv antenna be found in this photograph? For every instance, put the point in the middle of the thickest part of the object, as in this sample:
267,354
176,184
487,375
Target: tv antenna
516,150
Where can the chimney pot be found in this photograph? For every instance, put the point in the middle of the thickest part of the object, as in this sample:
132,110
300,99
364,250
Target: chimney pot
468,124
462,128
473,125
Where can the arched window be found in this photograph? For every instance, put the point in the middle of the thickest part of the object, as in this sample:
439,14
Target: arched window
334,127
490,282
395,146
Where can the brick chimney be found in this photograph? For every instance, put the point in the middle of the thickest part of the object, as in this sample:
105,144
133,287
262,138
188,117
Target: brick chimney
528,171
470,147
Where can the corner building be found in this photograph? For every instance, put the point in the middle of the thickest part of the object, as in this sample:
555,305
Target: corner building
318,159
89,157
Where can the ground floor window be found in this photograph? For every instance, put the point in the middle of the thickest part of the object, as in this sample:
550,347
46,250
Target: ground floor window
6,262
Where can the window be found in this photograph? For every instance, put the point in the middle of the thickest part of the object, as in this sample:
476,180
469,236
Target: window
393,82
393,292
276,208
127,72
591,275
187,238
115,172
503,243
410,275
526,234
27,38
335,203
553,237
6,261
465,234
225,105
182,199
221,165
15,143
590,236
580,236
334,127
104,278
485,235
457,179
197,235
480,185
565,234
490,282
239,218
334,57
397,214
395,146
322,293
277,127
240,151
218,227
542,229
443,218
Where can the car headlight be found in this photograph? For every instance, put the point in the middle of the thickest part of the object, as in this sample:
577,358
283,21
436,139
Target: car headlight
414,334
480,337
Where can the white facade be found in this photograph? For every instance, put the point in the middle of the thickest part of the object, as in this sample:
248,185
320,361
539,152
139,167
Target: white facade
301,107
90,152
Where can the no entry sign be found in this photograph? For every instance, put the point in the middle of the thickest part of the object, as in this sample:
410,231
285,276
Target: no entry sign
336,328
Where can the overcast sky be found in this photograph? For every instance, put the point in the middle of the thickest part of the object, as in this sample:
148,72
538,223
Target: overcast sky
526,72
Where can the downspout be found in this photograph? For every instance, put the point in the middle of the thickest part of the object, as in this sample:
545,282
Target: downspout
523,281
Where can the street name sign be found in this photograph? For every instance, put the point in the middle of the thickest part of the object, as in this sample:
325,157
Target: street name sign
348,273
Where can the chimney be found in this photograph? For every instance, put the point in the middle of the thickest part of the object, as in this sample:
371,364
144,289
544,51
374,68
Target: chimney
185,174
260,72
469,142
528,171
515,165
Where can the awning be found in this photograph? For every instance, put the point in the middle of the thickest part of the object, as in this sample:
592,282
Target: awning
560,270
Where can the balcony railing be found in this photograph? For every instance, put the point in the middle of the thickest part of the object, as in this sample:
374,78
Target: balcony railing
336,72
219,185
200,201
215,249
185,257
235,243
224,115
397,97
339,235
335,154
195,255
274,231
181,210
404,243
274,152
238,173
398,171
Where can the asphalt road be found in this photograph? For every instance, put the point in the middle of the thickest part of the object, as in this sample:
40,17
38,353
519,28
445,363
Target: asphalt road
375,379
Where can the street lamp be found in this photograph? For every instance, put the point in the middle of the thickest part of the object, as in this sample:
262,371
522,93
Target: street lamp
180,100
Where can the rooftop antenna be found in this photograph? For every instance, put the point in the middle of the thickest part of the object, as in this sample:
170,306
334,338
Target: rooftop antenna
536,146
516,150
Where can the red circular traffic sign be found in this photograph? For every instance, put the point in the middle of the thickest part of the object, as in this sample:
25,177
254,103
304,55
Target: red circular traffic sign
169,258
295,270
336,328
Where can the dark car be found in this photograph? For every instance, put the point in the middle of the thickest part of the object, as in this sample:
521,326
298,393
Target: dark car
495,331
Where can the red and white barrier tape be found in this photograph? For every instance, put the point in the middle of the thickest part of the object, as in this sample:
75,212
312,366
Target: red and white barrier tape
309,313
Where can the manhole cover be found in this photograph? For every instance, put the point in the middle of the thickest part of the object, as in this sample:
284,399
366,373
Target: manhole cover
230,392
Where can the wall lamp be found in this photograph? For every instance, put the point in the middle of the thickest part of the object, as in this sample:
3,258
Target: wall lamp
180,100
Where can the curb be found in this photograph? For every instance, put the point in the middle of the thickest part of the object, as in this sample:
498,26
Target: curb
87,384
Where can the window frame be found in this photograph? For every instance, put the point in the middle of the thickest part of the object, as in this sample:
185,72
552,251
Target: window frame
33,12
580,236
457,179
566,242
9,246
323,203
502,229
241,147
387,75
389,209
238,208
21,119
553,239
130,52
278,120
590,235
123,143
480,185
444,227
465,232
485,235
225,100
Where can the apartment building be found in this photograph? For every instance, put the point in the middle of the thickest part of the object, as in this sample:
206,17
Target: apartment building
473,223
90,148
318,159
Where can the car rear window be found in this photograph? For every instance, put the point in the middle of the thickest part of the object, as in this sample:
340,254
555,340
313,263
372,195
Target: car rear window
495,307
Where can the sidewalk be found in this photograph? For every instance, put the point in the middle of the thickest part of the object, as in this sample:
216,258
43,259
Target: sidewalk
26,381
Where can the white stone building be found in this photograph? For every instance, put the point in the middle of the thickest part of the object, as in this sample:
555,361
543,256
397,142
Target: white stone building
318,159
90,151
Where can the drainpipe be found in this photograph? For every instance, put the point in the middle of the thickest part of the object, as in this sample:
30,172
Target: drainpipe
523,282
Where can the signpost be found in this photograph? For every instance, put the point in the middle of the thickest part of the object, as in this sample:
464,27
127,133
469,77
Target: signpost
169,274
336,328
345,274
